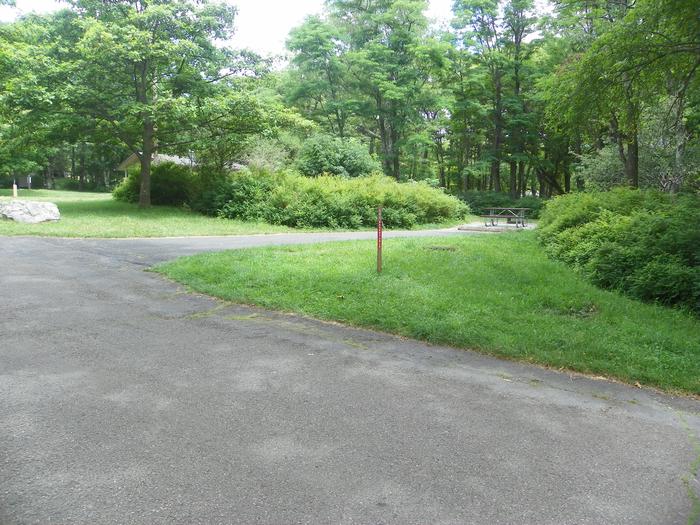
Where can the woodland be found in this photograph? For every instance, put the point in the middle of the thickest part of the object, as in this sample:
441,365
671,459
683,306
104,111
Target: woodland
513,97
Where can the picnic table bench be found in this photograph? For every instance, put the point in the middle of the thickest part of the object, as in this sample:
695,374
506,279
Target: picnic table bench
512,215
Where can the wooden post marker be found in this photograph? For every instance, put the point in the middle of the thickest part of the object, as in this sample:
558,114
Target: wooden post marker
380,227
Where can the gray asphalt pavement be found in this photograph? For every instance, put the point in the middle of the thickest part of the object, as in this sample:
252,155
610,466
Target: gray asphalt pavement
124,399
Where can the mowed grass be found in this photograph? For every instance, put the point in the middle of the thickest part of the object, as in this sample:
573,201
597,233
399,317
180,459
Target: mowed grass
498,294
98,215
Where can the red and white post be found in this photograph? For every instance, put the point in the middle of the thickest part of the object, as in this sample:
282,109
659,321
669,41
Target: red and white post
380,227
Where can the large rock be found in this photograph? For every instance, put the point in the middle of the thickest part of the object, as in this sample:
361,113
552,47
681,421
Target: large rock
30,212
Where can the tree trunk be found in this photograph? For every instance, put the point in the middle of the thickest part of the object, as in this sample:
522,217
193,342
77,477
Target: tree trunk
632,161
386,134
148,139
497,133
513,179
495,175
384,137
413,171
395,153
49,178
495,182
340,123
72,161
396,165
440,157
81,179
677,174
146,159
521,178
541,179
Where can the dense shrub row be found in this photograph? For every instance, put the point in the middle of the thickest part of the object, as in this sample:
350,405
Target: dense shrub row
478,200
643,243
328,201
171,185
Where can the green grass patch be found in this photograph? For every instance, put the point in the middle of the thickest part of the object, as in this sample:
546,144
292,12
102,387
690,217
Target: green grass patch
98,215
497,294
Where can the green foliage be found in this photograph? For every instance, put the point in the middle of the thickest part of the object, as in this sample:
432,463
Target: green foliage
478,200
272,154
243,196
319,80
328,201
136,73
570,211
667,160
601,170
325,155
67,184
171,185
73,184
232,126
643,243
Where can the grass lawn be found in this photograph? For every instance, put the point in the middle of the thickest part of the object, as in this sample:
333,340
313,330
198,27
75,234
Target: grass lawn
498,294
98,215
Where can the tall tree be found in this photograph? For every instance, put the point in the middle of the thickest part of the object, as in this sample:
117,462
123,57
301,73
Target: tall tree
518,21
138,67
482,31
320,81
383,36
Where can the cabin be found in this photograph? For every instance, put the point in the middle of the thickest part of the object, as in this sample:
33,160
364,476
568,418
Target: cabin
158,158
162,158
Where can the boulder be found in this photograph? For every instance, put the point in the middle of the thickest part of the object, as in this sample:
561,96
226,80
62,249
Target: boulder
30,212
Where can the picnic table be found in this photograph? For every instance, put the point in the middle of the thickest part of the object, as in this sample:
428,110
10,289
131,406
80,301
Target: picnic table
512,215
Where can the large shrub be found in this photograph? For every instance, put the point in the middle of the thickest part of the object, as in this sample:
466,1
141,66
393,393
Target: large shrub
643,243
479,200
171,184
328,201
324,155
73,184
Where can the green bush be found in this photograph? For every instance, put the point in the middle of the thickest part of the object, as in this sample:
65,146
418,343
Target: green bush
6,181
479,200
73,184
171,185
324,155
643,243
328,201
575,209
66,184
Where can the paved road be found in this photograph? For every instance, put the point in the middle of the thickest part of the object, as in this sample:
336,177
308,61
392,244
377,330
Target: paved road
124,399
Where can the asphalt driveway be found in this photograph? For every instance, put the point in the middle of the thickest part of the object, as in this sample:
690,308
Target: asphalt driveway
124,399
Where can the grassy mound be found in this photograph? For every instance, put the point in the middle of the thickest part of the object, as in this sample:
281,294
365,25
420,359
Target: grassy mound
497,294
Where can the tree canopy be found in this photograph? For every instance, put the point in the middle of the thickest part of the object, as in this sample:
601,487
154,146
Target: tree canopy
589,93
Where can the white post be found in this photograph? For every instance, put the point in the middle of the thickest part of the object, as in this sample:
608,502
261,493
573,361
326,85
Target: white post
14,189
